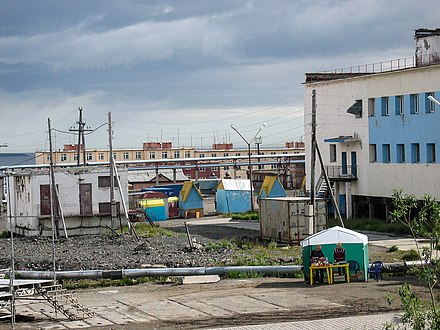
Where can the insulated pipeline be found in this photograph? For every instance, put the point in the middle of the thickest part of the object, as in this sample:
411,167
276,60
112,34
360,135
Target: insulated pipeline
157,272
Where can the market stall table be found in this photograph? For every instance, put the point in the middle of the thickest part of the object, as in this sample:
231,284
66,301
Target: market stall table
344,266
328,270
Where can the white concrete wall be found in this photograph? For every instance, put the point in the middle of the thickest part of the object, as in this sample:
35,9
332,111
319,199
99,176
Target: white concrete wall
334,97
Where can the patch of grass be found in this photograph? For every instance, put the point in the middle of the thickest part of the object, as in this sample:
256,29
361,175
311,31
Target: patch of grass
224,244
393,248
146,230
85,284
246,216
377,225
411,255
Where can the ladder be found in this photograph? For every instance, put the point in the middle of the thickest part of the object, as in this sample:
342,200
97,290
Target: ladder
63,302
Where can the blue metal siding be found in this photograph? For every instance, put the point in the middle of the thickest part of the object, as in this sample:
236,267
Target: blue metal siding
411,128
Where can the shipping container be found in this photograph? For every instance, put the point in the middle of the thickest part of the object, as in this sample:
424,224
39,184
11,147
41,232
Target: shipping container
289,219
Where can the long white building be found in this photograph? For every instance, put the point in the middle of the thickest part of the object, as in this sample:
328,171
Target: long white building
377,130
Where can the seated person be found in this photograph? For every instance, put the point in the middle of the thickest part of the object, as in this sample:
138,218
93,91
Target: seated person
316,256
339,255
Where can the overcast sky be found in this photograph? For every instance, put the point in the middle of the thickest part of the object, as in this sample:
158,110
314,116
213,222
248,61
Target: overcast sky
183,71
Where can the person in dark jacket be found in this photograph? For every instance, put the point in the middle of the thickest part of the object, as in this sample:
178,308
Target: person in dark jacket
316,256
339,255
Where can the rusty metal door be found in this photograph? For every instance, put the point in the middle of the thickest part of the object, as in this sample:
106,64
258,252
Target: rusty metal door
85,198
44,199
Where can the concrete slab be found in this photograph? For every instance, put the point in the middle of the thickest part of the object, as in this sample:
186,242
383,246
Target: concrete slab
162,309
202,279
242,304
284,299
205,307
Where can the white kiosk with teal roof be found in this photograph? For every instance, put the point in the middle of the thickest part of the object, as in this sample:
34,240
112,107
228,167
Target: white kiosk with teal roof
354,243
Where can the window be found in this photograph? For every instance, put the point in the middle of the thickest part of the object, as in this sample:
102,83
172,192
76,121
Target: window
187,154
164,154
101,156
429,106
274,166
273,153
373,154
225,154
114,156
202,169
63,157
415,153
152,155
371,107
202,156
332,153
414,103
237,154
430,153
75,157
213,155
105,208
104,182
386,155
398,101
48,157
226,168
400,149
384,106
176,154
125,155
138,155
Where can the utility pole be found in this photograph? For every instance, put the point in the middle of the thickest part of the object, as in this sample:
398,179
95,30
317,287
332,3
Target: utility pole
81,139
313,159
53,193
113,204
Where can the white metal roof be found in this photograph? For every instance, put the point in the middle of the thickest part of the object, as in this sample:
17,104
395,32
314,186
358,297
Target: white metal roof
334,235
236,184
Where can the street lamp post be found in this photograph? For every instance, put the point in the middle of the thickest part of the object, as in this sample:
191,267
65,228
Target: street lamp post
249,157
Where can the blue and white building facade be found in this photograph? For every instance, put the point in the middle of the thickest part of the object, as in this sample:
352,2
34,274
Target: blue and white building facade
378,131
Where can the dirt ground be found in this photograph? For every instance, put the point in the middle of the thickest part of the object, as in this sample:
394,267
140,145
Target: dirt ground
118,252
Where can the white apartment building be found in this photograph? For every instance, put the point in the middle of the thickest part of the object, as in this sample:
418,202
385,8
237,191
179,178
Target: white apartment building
377,130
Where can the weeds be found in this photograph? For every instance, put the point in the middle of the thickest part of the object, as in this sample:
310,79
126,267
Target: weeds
246,216
393,248
146,230
411,255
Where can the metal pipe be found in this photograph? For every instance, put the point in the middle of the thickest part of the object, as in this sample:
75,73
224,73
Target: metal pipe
156,272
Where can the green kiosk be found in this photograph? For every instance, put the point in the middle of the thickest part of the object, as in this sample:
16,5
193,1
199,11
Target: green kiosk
354,243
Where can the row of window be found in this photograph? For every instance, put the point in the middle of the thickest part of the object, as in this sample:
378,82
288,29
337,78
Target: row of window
398,153
398,103
138,155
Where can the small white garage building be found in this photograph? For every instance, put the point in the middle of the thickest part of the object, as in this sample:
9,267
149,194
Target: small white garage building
84,194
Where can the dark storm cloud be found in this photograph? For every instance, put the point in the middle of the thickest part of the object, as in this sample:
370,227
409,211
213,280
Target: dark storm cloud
179,55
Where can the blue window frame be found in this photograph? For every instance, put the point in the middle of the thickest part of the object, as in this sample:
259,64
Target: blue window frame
400,149
429,106
398,105
430,153
415,152
384,105
414,103
386,155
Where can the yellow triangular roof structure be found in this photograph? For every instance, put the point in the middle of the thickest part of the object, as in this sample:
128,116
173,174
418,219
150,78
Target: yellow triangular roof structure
186,190
267,185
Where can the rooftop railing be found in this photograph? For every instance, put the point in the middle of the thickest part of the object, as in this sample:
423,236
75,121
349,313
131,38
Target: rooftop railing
391,65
